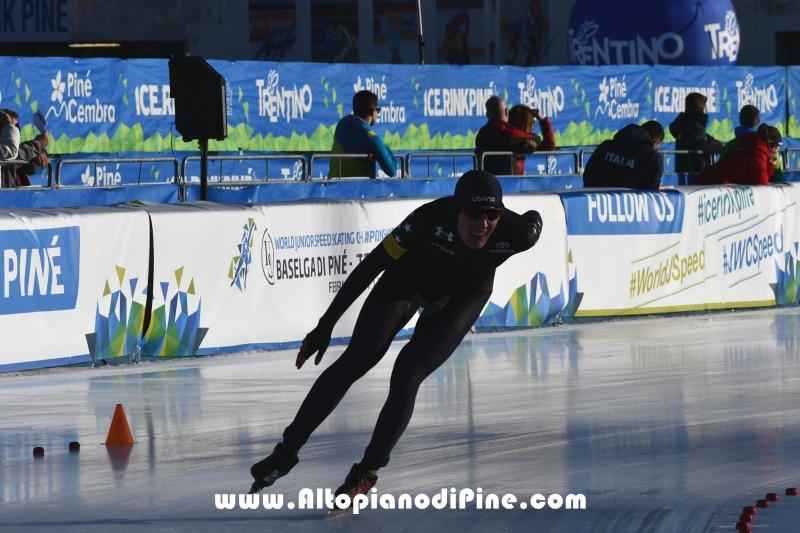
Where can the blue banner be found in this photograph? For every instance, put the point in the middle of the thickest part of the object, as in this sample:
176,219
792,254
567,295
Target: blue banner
603,212
793,91
40,269
110,105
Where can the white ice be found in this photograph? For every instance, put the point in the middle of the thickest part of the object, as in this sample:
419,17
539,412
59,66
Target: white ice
668,424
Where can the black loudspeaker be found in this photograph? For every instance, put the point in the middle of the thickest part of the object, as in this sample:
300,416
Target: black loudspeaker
200,103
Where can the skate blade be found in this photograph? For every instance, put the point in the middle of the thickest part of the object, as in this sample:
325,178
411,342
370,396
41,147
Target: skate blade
337,513
255,488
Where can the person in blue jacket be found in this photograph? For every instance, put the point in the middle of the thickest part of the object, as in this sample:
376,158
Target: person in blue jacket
354,135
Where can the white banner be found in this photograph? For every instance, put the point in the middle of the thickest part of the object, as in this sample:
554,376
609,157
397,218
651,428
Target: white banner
687,249
72,285
240,277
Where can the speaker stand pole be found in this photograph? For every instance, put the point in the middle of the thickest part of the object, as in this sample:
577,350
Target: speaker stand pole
203,169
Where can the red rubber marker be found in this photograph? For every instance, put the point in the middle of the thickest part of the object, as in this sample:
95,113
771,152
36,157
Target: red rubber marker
749,510
742,526
746,518
38,450
762,503
772,496
74,446
792,491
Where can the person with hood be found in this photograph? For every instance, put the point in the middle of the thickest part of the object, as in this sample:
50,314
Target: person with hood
751,163
629,160
689,130
354,135
9,137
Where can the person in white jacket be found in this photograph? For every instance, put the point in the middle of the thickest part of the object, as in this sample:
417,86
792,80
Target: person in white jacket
9,137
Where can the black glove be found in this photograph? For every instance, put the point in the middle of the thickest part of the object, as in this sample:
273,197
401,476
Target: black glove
317,340
536,224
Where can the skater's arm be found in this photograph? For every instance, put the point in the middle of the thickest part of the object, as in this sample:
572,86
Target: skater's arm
355,284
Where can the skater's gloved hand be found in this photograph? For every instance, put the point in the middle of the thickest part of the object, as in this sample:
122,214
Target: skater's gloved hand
316,341
536,223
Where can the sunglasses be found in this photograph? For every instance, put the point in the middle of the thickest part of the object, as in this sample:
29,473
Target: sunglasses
475,212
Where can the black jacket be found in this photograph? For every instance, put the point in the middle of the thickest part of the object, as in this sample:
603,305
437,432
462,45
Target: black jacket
689,130
628,160
28,151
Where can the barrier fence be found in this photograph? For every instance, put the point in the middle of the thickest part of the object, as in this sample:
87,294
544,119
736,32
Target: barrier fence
674,251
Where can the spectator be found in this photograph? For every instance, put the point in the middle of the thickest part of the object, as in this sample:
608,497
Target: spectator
495,136
9,137
521,120
689,130
749,119
751,163
354,135
629,160
32,151
775,155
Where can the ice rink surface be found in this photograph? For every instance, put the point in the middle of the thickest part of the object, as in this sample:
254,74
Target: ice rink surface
668,425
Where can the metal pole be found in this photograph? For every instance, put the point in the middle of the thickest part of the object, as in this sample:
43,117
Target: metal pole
203,169
421,41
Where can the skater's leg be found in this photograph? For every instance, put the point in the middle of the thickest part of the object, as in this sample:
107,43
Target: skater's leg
386,311
435,338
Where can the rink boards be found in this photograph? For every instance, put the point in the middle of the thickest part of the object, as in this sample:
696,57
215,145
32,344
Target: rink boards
152,280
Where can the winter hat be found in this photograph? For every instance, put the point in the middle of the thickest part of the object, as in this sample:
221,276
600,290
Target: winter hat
478,187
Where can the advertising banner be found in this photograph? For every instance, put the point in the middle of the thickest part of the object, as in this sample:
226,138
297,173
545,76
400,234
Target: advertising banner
261,276
110,105
681,250
793,91
73,284
532,287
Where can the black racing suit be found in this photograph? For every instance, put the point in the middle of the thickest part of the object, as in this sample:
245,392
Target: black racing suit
423,259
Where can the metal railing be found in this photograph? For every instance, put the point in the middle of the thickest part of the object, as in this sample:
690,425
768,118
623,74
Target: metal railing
303,175
575,156
786,160
431,155
22,162
328,155
121,160
710,156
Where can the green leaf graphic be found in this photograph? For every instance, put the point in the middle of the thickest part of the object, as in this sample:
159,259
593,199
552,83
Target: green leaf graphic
241,94
18,101
125,83
325,101
246,108
334,94
416,104
340,109
27,93
18,81
35,106
125,98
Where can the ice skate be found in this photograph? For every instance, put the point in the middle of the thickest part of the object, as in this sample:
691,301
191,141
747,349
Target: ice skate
358,481
276,465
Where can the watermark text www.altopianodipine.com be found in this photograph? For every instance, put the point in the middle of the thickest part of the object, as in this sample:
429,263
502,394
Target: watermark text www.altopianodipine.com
444,499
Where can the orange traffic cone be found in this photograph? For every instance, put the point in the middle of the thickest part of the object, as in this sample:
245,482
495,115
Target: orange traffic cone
119,432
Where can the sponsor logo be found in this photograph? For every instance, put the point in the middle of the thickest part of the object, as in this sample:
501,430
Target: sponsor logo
249,176
549,101
750,251
618,160
240,264
457,102
41,270
74,99
153,100
439,232
612,100
727,201
280,102
483,199
765,98
724,43
102,177
502,245
672,99
442,248
584,49
268,258
390,113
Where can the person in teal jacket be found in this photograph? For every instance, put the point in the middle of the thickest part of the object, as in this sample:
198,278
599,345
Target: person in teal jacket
354,135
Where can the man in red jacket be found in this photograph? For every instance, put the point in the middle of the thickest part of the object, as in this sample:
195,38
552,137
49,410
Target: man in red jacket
749,164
